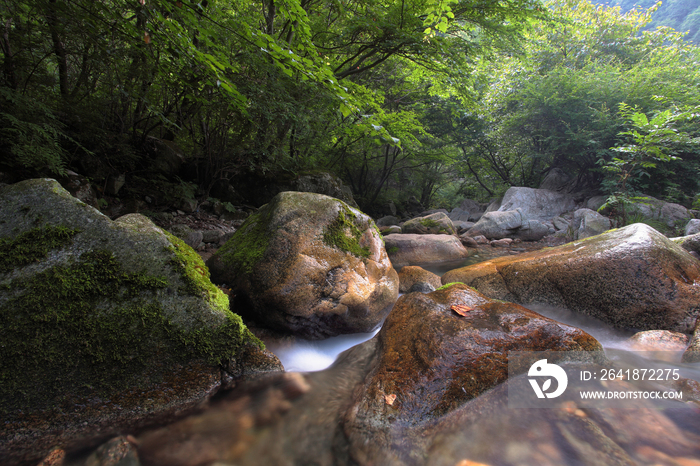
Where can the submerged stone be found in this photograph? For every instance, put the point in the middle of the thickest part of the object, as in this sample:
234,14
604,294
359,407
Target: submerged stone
309,265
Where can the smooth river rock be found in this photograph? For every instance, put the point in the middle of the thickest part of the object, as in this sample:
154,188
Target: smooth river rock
437,223
433,360
509,224
412,249
633,277
309,265
587,223
414,278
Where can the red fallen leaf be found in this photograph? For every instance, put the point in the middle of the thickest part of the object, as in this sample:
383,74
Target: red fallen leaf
461,310
390,399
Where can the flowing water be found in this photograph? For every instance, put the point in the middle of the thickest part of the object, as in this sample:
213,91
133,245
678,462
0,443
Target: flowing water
299,355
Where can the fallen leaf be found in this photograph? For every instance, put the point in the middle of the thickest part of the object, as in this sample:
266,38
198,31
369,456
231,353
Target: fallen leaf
470,463
390,399
461,310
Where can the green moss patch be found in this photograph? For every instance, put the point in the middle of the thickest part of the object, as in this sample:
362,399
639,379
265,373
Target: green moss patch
429,223
247,245
33,245
344,233
447,285
195,274
90,328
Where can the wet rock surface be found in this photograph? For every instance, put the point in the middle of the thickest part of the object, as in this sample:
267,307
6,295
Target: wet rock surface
659,340
633,277
414,278
487,431
433,359
309,265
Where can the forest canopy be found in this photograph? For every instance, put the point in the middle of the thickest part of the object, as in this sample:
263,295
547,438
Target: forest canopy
428,98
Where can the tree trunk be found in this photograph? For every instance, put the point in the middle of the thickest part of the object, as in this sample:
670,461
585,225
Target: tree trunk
59,48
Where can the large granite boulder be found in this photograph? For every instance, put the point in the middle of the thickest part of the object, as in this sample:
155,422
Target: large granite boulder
104,324
596,202
537,204
470,205
468,211
587,222
497,225
508,224
632,277
692,227
411,249
459,215
309,265
437,223
669,213
557,180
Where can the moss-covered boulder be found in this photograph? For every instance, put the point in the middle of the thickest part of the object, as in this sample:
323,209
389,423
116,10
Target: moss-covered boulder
103,322
437,223
310,265
633,277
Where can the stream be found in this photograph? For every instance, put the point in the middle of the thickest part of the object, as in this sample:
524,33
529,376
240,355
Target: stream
302,416
300,355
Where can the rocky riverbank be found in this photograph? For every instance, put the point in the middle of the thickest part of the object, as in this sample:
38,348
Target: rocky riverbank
425,390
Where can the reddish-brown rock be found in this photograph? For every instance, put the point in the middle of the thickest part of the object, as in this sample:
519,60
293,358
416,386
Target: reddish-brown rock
633,277
414,278
434,360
